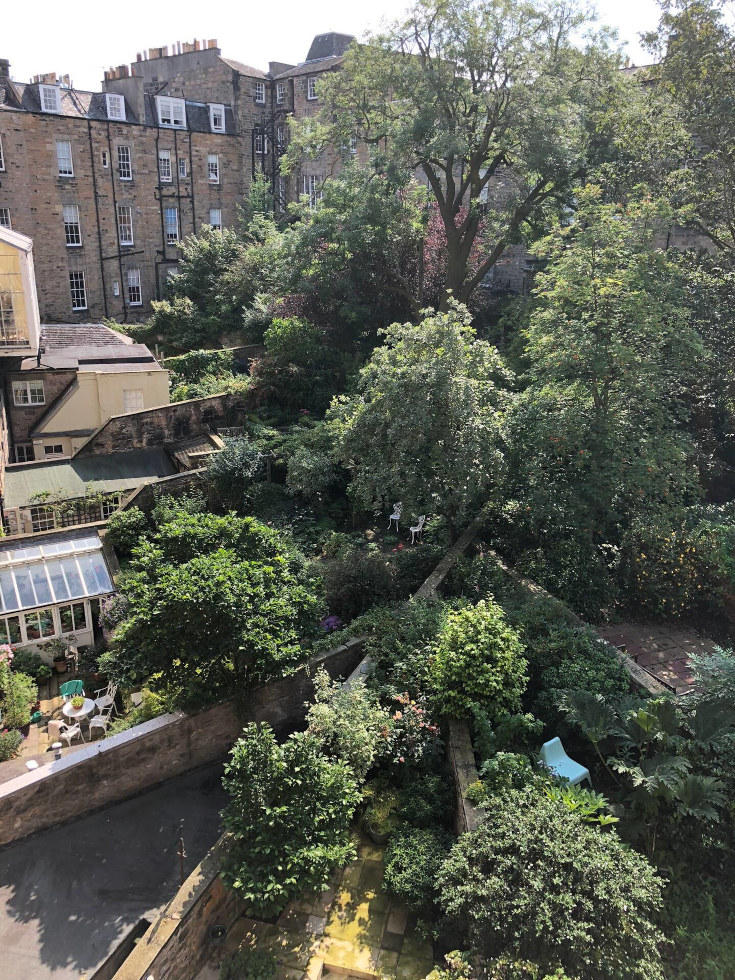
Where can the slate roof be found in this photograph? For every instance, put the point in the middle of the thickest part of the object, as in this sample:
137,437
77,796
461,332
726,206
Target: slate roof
329,45
238,66
310,68
90,347
69,478
58,336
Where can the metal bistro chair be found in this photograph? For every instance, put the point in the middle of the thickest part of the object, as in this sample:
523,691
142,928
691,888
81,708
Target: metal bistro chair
69,732
102,720
416,531
396,515
105,697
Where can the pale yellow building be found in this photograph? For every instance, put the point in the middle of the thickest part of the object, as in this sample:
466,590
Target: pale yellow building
19,319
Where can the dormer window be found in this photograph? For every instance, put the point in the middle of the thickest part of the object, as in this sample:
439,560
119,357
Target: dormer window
260,93
50,98
217,118
171,112
115,107
311,87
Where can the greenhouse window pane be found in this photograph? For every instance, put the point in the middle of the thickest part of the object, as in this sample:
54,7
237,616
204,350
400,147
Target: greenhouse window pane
40,583
95,574
46,618
73,578
25,590
14,628
58,582
7,590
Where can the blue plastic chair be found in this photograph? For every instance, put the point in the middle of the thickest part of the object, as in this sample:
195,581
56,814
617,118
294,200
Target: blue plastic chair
71,689
555,758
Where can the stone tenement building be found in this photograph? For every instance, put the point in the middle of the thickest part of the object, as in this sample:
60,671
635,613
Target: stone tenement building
107,183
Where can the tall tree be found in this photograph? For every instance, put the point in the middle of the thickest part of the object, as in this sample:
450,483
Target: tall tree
695,45
491,103
424,424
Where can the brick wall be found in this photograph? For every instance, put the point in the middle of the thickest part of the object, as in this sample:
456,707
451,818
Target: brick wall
168,423
178,944
22,418
118,767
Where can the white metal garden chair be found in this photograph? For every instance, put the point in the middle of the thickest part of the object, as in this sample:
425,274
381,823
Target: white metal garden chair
396,515
417,529
70,732
102,720
105,697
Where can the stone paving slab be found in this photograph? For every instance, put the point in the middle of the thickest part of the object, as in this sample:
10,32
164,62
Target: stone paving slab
662,650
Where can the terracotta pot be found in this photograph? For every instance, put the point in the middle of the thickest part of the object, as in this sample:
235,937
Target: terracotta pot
60,666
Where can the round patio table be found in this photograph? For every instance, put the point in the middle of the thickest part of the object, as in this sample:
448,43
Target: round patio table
77,714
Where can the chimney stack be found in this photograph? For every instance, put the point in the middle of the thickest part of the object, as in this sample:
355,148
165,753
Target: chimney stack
4,68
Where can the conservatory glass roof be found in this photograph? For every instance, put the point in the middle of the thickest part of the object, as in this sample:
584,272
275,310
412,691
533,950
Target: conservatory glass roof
53,570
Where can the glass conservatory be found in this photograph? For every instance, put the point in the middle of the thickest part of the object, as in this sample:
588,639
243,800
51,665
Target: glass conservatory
46,588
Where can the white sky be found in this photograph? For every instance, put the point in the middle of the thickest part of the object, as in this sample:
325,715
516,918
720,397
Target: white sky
83,37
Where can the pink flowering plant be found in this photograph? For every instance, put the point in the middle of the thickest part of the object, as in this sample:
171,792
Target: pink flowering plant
411,733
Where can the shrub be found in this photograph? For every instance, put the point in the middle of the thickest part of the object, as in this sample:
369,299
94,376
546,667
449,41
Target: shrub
590,666
233,471
412,861
356,583
249,964
478,659
288,817
125,528
380,817
20,693
29,662
10,742
428,800
535,882
348,723
167,508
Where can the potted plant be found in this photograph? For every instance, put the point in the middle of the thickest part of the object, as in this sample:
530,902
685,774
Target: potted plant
58,649
77,701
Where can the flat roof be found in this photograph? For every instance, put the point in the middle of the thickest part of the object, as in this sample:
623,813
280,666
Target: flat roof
69,478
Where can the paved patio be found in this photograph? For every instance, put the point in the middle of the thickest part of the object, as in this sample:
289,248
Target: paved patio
352,929
663,651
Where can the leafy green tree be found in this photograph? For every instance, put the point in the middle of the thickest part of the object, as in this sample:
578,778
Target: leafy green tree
214,605
424,424
492,103
478,659
535,881
694,46
232,472
354,259
288,817
598,434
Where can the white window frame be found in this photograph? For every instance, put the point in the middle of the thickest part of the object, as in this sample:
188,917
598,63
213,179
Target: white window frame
78,286
50,97
134,288
2,155
183,167
109,504
9,333
105,158
62,159
125,224
29,392
139,400
75,628
280,93
72,226
55,449
213,168
124,162
312,189
217,212
165,174
215,109
171,112
281,192
169,225
5,219
115,106
261,144
311,88
260,93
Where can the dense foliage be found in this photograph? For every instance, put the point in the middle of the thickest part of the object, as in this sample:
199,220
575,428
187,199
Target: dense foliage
288,817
